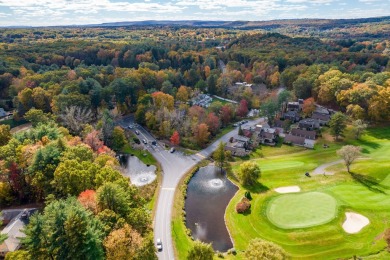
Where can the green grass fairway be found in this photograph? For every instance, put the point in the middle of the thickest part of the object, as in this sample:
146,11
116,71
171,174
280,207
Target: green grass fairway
301,210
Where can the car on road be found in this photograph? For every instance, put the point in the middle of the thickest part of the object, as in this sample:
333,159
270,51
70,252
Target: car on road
172,150
159,244
154,143
136,132
144,141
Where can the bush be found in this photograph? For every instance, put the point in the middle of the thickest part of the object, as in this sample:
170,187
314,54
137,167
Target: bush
243,206
387,238
6,197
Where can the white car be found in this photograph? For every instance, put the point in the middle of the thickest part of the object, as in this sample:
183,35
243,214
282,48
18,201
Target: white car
159,244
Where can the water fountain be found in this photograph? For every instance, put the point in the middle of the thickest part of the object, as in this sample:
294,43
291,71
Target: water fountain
208,194
140,174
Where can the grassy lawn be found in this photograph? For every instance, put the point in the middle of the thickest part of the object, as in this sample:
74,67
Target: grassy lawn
143,155
365,191
301,210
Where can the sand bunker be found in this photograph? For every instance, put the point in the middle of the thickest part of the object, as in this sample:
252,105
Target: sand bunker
288,189
354,222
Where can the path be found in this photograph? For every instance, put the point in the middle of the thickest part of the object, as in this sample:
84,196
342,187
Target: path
321,169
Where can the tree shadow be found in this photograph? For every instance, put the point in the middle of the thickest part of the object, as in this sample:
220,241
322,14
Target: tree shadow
368,182
247,212
368,144
256,188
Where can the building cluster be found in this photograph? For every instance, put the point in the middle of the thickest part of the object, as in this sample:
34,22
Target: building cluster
291,127
202,100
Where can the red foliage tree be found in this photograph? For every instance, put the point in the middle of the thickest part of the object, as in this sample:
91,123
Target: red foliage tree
16,180
242,109
93,140
202,134
87,198
175,138
213,123
226,114
308,106
243,206
197,111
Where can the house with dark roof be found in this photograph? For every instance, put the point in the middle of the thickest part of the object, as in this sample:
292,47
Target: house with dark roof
299,141
304,133
14,228
309,124
293,116
238,145
293,106
267,136
323,119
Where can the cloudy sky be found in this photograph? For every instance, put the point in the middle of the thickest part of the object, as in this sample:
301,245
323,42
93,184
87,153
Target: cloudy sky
68,12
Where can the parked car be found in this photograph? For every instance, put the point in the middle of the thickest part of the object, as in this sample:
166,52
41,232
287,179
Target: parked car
144,141
136,132
172,150
159,244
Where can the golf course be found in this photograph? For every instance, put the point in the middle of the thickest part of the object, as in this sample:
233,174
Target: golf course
311,221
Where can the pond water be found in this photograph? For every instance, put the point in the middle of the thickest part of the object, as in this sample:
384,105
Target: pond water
208,195
140,174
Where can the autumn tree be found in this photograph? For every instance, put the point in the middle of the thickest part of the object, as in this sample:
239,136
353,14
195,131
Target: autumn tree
227,114
175,138
36,116
308,106
213,123
242,109
358,128
124,243
219,155
249,173
202,134
337,124
75,117
201,251
87,199
349,153
182,94
92,139
5,134
261,249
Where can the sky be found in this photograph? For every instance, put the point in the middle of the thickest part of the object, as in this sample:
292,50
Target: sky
79,12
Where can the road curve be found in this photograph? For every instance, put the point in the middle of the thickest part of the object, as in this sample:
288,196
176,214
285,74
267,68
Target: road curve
174,167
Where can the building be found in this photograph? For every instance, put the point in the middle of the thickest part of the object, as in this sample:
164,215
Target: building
299,141
14,228
2,112
268,136
309,124
238,145
293,116
293,106
323,119
304,133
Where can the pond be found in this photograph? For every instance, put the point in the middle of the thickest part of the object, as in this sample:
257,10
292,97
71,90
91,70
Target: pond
208,194
140,174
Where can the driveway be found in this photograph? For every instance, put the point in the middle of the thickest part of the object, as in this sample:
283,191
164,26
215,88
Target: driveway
174,167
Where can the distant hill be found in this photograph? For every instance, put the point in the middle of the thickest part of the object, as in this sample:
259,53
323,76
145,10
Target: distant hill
272,24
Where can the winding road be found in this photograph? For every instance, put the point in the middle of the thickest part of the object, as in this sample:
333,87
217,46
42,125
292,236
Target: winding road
174,167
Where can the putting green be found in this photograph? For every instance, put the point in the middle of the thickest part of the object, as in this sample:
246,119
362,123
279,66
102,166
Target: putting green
301,210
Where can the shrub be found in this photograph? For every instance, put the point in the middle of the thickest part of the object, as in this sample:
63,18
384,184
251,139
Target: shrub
243,206
387,238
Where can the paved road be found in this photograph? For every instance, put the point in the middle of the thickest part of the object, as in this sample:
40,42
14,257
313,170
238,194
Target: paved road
174,166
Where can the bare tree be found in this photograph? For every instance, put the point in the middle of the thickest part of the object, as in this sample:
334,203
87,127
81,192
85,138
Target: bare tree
349,153
359,127
75,117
